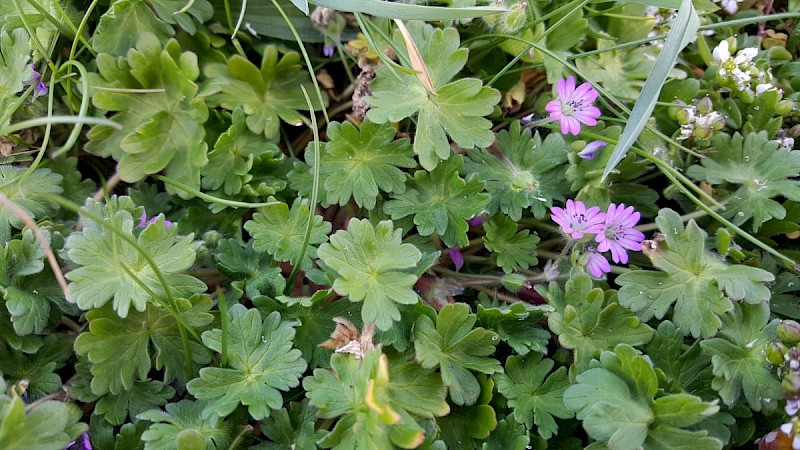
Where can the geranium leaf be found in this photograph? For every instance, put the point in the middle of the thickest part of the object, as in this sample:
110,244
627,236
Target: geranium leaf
616,404
700,285
120,349
441,202
534,399
737,356
292,428
456,109
29,193
138,18
457,349
369,261
262,362
111,268
761,170
183,423
279,231
268,94
517,325
50,425
162,128
143,396
588,323
359,162
513,250
525,175
14,68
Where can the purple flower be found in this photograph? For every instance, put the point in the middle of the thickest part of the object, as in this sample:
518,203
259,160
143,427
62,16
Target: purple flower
596,263
82,443
576,220
617,232
144,222
328,50
591,148
574,106
39,88
477,220
456,257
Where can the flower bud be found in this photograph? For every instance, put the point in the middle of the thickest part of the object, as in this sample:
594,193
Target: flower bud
790,384
784,107
789,332
775,352
703,133
685,115
747,95
704,105
211,238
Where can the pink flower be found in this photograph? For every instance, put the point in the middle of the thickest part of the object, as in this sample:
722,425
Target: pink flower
576,220
617,232
144,222
596,264
456,257
591,148
574,106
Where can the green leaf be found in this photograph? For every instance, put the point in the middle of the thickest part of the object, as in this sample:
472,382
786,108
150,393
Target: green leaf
513,250
267,95
254,273
314,318
184,421
14,69
292,428
28,193
162,128
441,202
588,323
525,175
761,170
123,23
682,31
280,232
517,325
456,109
143,396
29,310
167,10
360,162
684,366
534,399
261,363
466,426
49,426
616,404
358,393
700,284
508,435
111,268
231,160
369,261
407,11
121,349
457,349
737,356
38,369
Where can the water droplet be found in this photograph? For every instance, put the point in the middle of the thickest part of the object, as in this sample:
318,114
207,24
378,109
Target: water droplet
747,158
264,339
790,284
660,283
740,214
674,231
755,107
774,305
35,292
495,338
640,292
346,248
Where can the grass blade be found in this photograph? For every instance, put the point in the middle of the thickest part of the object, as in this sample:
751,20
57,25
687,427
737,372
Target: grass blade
683,29
403,11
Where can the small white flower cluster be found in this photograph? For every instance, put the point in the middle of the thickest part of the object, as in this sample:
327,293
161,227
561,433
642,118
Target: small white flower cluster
699,121
784,139
731,6
740,72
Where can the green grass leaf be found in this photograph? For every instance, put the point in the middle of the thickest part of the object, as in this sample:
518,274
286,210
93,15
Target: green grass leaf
456,109
369,261
262,362
457,349
403,11
441,202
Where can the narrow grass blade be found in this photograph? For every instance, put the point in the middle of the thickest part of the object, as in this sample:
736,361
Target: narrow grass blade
403,11
416,59
684,27
302,5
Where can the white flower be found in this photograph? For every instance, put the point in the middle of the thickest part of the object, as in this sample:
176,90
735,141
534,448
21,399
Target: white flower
786,142
722,52
764,87
731,6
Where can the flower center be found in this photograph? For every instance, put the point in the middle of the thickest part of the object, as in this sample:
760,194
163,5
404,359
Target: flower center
568,108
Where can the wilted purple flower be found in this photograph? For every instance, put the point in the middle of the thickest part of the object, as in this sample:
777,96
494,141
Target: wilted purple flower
456,257
576,220
591,148
573,106
82,443
617,233
39,88
477,220
596,263
144,222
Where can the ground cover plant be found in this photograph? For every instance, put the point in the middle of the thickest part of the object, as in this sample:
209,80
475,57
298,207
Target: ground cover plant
361,224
